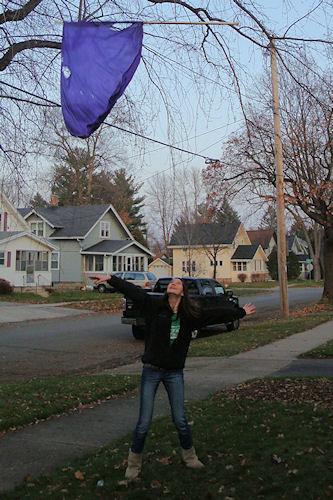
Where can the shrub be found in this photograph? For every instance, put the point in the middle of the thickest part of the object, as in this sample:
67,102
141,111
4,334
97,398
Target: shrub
5,287
272,265
242,277
258,277
293,266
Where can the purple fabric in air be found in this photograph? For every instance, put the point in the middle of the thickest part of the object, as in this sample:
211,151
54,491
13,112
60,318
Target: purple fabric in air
97,65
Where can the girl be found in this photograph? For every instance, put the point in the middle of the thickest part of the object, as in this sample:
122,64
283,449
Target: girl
170,320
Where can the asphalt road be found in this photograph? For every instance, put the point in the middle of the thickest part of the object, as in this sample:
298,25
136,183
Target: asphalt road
91,342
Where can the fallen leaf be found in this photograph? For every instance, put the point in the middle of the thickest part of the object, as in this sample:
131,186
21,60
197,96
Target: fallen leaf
79,475
165,460
155,484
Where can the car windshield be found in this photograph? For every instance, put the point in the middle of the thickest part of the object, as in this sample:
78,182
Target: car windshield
162,285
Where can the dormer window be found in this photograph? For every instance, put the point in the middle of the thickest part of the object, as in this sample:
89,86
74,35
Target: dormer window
105,229
37,228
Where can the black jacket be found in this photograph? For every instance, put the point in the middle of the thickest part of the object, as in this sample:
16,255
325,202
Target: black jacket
157,313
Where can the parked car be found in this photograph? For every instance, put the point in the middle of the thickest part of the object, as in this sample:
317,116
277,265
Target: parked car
210,294
143,279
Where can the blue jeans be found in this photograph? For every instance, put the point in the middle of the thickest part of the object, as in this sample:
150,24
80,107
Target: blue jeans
173,381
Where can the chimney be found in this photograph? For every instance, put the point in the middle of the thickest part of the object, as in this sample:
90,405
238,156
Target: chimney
54,200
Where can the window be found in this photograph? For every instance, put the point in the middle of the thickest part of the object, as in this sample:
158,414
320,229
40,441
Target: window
37,261
40,260
257,265
94,262
54,261
221,262
37,228
2,258
239,266
99,262
189,264
211,262
206,287
219,290
105,229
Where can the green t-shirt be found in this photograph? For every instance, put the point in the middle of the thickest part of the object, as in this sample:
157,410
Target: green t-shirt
175,325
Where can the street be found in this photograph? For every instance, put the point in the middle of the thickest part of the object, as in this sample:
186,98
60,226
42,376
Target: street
90,343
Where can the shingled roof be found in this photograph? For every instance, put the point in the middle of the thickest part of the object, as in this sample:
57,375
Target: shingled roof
261,237
69,221
108,246
245,252
205,234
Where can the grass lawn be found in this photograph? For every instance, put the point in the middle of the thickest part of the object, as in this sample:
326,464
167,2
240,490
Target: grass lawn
259,284
22,403
255,442
306,283
321,352
258,334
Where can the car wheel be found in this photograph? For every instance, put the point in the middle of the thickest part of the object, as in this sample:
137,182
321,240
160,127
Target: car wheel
138,332
195,334
101,288
233,326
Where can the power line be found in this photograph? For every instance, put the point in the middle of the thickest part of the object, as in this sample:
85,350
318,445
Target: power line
206,158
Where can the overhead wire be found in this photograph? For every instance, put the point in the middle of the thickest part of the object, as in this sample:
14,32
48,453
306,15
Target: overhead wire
132,132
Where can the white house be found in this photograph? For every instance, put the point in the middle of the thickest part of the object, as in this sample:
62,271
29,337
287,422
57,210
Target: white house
24,257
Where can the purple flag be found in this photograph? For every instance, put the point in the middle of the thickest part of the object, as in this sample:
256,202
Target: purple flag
98,63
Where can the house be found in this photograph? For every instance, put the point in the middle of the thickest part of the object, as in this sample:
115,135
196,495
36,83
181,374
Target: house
89,239
25,258
266,238
249,261
197,248
160,266
300,248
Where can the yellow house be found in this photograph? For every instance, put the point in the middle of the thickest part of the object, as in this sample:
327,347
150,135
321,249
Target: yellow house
198,249
249,264
160,266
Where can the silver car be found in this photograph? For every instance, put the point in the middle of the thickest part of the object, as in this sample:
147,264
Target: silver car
143,279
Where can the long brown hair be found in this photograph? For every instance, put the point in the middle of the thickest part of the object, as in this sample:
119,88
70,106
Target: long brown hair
187,306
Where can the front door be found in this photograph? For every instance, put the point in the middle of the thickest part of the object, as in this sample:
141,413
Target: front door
30,273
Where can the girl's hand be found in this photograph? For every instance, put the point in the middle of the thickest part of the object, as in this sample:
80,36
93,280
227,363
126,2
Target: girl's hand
99,278
249,309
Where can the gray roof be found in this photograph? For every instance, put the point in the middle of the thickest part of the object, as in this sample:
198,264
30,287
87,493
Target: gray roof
69,221
8,234
108,246
210,233
245,252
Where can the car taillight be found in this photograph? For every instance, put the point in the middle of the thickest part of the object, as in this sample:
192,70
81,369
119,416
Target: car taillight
124,304
147,284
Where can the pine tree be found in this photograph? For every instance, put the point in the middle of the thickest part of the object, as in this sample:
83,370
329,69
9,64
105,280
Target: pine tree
38,201
121,191
269,220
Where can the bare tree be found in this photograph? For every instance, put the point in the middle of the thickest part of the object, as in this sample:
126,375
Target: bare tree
173,57
162,203
308,157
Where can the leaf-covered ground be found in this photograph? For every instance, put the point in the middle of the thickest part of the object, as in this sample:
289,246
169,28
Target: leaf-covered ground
310,391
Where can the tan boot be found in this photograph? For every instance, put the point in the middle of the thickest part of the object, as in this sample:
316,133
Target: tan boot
191,460
134,463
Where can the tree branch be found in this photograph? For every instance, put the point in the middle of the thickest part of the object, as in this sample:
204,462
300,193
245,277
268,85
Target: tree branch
19,14
27,44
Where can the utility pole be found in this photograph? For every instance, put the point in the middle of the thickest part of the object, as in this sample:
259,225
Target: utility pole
281,236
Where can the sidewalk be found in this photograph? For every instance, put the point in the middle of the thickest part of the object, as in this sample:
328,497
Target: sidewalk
37,449
11,312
